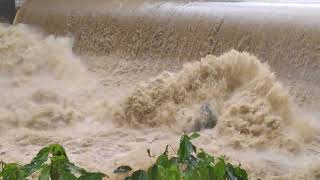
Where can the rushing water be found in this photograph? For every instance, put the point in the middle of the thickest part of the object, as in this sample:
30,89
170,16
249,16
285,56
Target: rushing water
140,84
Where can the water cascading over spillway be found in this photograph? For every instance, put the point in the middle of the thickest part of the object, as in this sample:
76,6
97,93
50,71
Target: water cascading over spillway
286,36
256,66
186,31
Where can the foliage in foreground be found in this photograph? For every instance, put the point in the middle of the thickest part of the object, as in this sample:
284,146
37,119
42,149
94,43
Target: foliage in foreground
53,163
188,164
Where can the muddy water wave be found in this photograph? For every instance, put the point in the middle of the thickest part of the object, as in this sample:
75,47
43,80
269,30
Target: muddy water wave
252,107
144,73
50,95
34,70
187,31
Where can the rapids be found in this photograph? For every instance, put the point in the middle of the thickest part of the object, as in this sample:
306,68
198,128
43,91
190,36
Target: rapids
107,87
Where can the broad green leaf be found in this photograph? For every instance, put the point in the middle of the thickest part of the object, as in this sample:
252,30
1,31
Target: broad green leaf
241,173
65,175
58,167
174,161
45,172
194,135
122,169
58,150
139,175
231,175
12,171
203,169
185,149
92,176
163,173
59,162
153,172
189,165
174,172
163,160
236,173
156,172
75,169
193,175
218,172
37,161
205,158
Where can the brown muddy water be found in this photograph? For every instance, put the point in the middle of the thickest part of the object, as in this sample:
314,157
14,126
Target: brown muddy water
108,81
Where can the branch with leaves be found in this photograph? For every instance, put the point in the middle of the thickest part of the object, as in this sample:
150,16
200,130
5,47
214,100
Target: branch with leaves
188,164
52,163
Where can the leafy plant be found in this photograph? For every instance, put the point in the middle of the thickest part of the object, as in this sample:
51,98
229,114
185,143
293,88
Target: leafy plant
188,164
11,171
52,163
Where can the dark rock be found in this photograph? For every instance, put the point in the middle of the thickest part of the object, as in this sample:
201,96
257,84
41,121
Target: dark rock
209,118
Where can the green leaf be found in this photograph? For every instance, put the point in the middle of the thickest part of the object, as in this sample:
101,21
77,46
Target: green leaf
205,158
194,135
236,173
241,173
189,165
174,172
156,172
75,169
139,175
163,173
204,172
174,161
58,150
218,172
92,176
193,175
185,149
153,172
37,161
65,175
45,172
163,160
12,171
122,170
231,175
58,168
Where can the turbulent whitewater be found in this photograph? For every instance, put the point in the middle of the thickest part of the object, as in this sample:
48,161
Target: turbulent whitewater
107,111
253,109
34,71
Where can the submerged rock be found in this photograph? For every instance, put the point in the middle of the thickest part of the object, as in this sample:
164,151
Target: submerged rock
209,117
206,120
